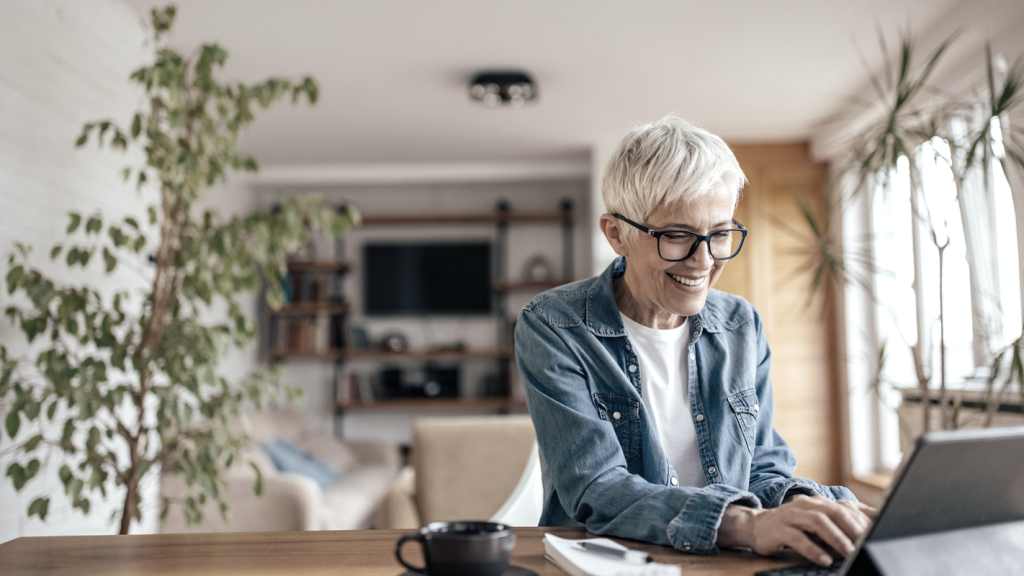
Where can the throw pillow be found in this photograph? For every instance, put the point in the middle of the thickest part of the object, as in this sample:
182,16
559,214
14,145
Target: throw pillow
288,457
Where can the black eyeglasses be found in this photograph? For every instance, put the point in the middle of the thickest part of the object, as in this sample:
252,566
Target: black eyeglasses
676,245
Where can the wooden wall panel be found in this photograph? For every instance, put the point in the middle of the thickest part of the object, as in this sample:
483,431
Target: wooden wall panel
772,274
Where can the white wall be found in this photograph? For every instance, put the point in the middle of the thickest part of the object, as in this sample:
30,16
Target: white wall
62,63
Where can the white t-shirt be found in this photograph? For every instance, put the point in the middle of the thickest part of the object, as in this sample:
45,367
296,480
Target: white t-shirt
664,385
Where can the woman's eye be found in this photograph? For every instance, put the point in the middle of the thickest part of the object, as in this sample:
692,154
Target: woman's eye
678,236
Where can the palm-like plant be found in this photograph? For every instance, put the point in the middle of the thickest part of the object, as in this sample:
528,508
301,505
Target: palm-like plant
905,114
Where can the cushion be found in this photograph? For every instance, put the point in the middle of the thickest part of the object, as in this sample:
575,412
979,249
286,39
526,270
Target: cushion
288,457
331,450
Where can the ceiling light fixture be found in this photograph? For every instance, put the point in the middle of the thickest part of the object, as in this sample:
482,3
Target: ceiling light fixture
502,88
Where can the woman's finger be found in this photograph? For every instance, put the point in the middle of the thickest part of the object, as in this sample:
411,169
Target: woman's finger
826,527
849,518
799,541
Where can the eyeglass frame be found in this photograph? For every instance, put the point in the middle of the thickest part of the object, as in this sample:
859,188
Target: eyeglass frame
706,239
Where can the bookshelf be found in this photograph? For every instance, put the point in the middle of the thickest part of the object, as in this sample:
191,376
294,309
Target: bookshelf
313,325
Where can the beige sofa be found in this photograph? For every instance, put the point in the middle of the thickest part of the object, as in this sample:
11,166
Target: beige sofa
464,468
292,501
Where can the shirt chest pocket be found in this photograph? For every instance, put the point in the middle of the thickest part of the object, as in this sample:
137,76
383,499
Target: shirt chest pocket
745,408
624,414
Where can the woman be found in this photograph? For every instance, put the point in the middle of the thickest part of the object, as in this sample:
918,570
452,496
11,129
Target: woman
650,392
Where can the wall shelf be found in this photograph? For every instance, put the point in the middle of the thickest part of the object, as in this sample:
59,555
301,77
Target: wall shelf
336,265
526,285
433,404
308,308
562,216
314,326
377,355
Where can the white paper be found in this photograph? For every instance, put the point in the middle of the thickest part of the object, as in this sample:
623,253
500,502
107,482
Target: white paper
575,561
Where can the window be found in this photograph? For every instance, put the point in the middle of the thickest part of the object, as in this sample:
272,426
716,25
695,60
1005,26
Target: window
892,242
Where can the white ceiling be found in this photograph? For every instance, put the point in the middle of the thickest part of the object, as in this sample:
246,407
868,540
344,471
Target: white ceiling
393,73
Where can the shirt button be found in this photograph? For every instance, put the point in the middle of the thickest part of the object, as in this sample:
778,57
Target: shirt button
700,417
675,481
686,546
712,470
692,355
632,367
757,408
617,415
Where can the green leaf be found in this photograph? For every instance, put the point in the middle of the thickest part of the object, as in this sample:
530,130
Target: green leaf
94,439
39,507
32,443
14,275
51,410
65,475
136,125
94,225
66,436
55,251
132,222
74,487
258,487
108,260
76,219
32,470
12,423
17,475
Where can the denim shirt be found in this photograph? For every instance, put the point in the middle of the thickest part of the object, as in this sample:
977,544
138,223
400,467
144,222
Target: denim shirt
602,463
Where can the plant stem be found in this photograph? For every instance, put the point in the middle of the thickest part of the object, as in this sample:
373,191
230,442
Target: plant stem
947,422
920,350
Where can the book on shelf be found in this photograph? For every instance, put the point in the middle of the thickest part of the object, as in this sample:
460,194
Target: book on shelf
355,388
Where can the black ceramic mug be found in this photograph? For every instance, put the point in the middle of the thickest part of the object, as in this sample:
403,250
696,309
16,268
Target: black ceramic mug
461,548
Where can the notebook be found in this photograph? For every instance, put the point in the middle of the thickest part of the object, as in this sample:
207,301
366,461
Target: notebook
575,561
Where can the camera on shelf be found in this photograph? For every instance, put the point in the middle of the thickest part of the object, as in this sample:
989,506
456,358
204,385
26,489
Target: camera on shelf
430,381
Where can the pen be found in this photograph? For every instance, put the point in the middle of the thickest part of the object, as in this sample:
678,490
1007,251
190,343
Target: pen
633,556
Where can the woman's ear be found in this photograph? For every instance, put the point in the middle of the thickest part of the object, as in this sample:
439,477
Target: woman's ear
612,229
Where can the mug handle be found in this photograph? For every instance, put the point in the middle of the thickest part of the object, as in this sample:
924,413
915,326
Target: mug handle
398,551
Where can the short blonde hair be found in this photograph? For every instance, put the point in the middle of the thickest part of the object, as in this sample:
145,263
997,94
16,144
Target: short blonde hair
669,160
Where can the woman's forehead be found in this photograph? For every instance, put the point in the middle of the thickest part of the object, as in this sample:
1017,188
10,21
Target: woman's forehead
711,209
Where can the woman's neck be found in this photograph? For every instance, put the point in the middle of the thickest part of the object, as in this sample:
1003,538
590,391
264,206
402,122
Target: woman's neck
647,315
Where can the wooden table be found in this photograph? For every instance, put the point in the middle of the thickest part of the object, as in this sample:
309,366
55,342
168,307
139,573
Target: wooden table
355,552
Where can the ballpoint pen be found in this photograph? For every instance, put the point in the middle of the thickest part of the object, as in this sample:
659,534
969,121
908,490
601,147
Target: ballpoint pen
633,556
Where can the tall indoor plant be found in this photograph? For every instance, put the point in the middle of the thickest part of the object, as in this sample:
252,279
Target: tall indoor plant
124,384
905,114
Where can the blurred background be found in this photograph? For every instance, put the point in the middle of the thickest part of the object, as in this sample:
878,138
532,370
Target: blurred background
377,339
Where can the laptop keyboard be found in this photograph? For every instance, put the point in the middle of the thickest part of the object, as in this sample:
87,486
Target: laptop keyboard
808,569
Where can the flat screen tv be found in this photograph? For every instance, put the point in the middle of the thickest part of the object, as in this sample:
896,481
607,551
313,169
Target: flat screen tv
427,278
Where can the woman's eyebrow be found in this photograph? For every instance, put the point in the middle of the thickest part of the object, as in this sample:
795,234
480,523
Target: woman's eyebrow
689,228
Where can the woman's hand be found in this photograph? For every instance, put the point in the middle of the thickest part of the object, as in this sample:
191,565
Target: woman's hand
809,525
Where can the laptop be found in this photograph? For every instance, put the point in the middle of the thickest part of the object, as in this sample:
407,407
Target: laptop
955,507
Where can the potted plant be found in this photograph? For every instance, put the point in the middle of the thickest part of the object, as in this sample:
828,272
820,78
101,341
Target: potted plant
910,123
124,384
